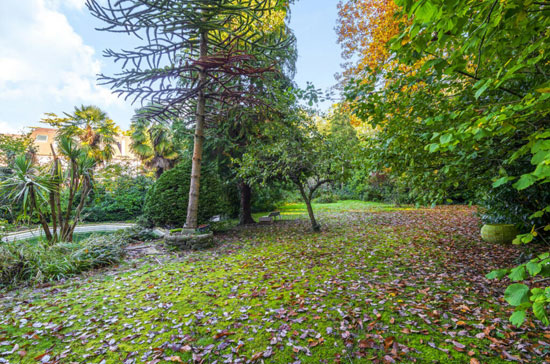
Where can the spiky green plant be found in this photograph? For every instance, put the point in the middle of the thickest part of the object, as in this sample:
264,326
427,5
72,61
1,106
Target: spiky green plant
40,189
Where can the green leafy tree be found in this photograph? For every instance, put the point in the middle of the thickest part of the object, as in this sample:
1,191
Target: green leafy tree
466,106
295,152
118,194
13,145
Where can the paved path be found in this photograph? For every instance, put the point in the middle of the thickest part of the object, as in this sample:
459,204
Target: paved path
21,235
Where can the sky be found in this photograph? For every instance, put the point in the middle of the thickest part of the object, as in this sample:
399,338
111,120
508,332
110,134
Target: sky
51,54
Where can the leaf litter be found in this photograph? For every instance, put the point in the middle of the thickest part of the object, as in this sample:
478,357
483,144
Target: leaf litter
403,285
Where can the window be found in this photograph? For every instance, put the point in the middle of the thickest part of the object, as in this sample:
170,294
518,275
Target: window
41,138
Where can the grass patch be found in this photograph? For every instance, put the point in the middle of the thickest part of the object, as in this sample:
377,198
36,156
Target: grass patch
375,285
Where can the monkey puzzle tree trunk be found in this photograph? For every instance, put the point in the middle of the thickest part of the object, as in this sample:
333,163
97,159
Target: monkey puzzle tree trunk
193,204
245,213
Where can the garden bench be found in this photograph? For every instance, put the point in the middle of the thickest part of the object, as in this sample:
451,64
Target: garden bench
275,214
265,220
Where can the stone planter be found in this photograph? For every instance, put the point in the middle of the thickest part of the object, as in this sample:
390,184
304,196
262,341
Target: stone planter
499,233
189,241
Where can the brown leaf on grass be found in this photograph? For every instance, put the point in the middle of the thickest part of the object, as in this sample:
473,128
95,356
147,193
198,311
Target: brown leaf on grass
186,349
223,333
366,344
257,356
508,356
313,343
474,361
388,342
40,357
174,358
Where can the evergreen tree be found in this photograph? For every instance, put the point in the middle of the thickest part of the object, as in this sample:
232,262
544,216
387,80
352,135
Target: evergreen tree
196,53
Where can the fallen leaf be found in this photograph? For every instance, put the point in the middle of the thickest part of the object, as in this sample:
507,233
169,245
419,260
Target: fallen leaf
174,358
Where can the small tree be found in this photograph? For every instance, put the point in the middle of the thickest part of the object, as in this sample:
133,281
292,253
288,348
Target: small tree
295,152
13,145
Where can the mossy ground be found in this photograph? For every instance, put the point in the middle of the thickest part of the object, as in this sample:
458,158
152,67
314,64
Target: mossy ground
377,284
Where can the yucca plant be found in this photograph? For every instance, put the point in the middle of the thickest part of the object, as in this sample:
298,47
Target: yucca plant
40,189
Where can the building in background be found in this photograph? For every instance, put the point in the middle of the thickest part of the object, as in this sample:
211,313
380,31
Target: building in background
44,138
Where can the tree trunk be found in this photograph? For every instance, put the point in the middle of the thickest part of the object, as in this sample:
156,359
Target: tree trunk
52,195
159,172
245,213
43,221
85,191
314,225
193,204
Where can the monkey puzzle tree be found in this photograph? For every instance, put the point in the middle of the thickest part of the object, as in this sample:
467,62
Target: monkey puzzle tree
195,52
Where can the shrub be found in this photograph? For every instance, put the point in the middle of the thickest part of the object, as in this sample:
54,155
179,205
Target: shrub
377,187
38,262
266,198
144,222
166,201
326,197
507,205
119,199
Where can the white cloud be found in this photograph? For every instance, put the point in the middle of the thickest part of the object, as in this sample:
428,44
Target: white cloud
76,4
6,128
43,57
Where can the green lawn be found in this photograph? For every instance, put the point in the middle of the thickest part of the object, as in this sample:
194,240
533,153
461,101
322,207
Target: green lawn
291,211
377,284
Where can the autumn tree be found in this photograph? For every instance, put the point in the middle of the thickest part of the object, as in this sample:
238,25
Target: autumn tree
196,54
474,115
364,29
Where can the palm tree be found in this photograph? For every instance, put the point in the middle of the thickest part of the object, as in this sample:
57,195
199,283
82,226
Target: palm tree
95,131
154,146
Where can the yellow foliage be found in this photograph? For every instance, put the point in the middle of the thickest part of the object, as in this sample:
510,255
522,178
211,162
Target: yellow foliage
364,29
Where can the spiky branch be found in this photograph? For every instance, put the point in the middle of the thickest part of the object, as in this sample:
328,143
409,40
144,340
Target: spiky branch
194,51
